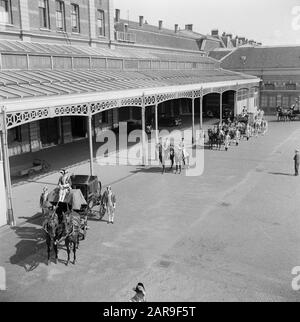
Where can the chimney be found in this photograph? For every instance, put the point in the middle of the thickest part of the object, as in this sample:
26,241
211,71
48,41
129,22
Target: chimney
141,21
160,24
189,27
215,32
118,15
176,28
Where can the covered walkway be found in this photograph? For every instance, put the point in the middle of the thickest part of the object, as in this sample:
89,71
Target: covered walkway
66,84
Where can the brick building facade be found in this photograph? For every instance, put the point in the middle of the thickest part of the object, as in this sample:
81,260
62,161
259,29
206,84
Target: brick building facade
279,69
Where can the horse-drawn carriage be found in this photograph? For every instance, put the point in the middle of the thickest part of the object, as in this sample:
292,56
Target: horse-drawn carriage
74,202
68,218
287,114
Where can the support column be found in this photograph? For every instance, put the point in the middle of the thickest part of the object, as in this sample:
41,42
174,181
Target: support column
236,103
156,123
201,112
221,107
90,135
143,133
193,120
10,213
248,100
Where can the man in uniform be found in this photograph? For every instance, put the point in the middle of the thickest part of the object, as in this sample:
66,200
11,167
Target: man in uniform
64,184
297,162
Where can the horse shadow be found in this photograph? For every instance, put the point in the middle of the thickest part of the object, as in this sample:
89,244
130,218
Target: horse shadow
28,253
31,249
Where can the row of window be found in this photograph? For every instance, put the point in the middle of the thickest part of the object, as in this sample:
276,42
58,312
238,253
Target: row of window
61,17
289,87
6,16
274,101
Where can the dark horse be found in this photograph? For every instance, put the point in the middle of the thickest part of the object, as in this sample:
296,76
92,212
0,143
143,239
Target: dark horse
72,224
284,114
215,138
54,232
62,229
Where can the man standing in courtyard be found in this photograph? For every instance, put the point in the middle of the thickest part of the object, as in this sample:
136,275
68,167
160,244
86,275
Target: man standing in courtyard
111,205
297,162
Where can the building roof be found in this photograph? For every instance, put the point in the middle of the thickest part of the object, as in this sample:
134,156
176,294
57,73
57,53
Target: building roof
247,58
23,47
219,54
149,35
29,84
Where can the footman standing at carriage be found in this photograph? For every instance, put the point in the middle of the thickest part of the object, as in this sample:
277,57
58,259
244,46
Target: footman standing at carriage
297,162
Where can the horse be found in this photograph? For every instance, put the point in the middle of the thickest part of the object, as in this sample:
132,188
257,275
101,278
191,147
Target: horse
72,224
220,139
53,230
284,114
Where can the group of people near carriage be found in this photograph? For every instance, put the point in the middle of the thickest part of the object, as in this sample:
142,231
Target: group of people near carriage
65,215
231,132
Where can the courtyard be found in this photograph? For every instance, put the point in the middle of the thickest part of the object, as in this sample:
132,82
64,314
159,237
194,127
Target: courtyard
228,235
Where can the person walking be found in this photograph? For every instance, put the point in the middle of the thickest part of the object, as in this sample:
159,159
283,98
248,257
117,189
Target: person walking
297,162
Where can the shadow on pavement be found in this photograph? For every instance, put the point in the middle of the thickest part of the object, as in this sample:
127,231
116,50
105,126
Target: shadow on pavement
28,249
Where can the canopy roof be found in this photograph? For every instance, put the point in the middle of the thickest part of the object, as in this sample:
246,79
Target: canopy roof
29,84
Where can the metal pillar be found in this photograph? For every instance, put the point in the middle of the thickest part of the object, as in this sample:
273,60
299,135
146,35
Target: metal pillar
156,123
236,103
221,107
193,120
201,112
90,135
10,213
143,133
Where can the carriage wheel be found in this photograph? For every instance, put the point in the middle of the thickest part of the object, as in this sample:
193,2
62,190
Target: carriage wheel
45,166
31,173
